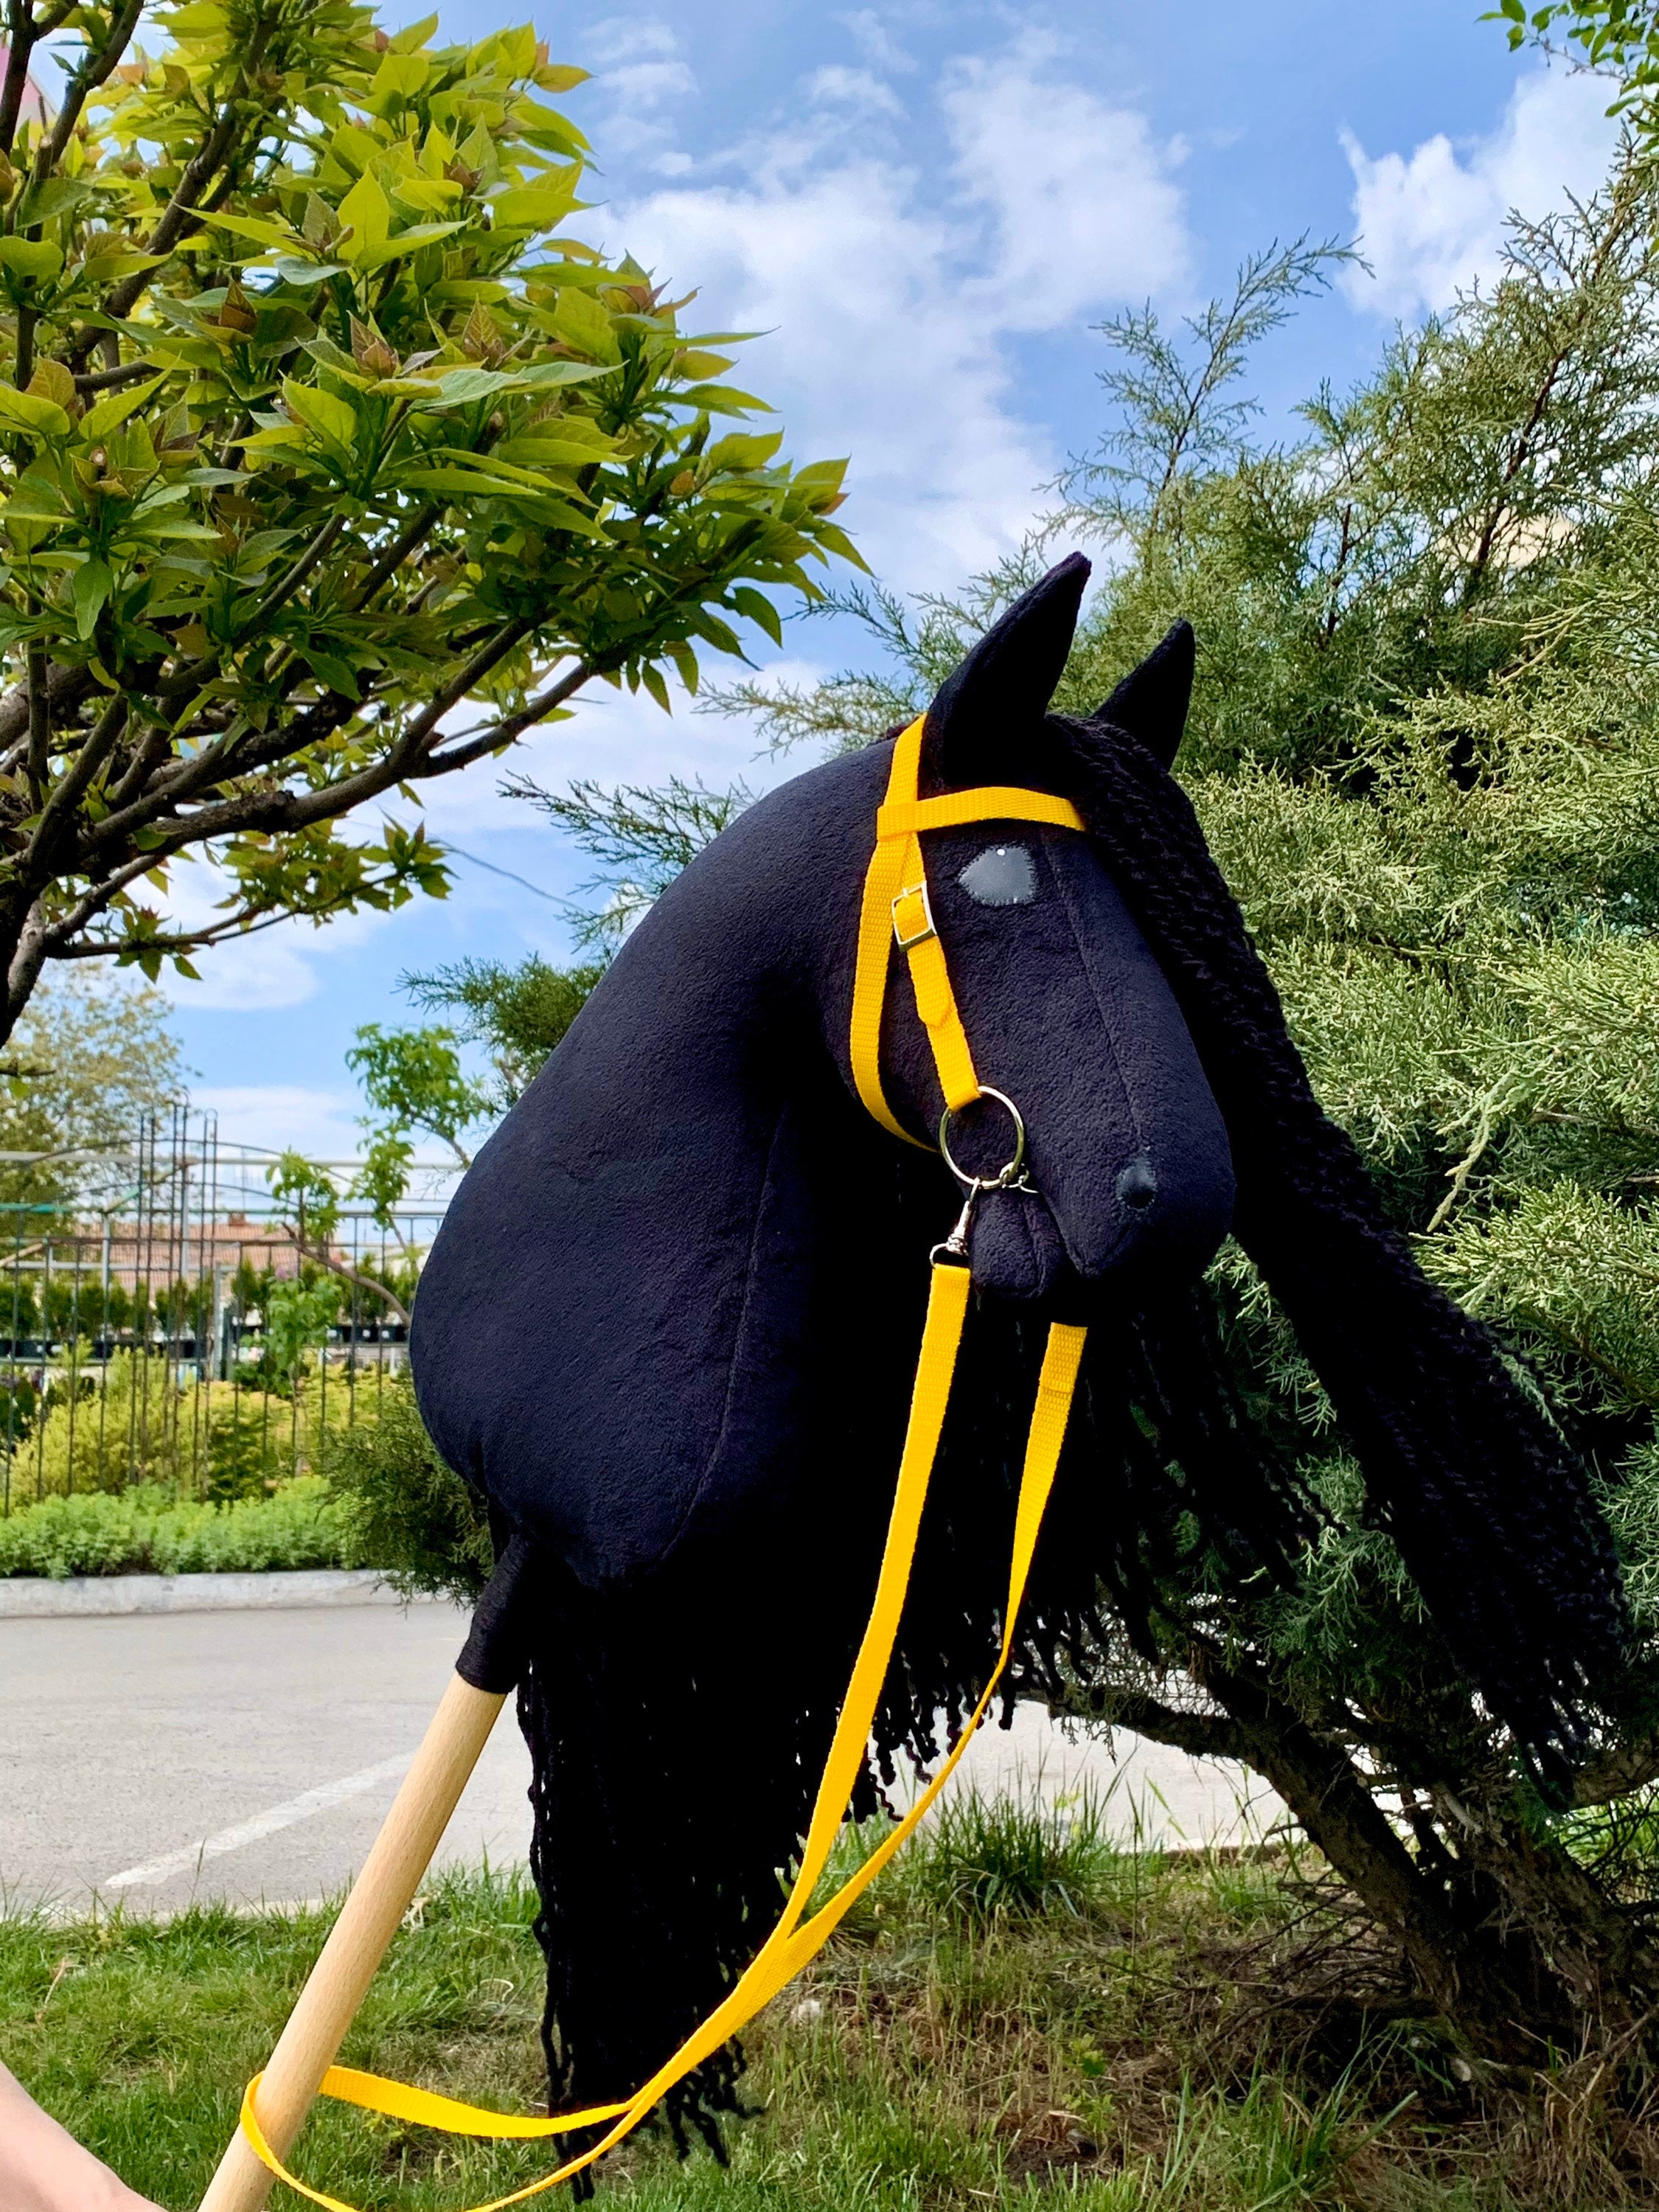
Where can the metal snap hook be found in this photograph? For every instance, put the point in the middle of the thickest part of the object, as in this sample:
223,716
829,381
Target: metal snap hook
1011,1176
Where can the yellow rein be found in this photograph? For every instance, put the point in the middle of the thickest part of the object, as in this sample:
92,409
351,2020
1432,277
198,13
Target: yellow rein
894,899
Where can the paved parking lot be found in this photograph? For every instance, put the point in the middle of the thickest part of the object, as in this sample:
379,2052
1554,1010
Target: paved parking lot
252,1755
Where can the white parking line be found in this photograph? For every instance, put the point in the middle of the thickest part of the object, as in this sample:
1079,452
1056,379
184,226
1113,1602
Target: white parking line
321,1800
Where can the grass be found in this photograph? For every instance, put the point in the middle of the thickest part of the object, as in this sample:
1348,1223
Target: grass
1019,2016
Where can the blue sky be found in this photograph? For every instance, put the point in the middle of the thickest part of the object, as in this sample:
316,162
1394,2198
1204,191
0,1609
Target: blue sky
925,207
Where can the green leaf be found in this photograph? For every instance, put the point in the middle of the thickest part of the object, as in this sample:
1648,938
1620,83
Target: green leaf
700,366
405,241
257,228
584,324
536,451
29,257
26,411
529,207
303,273
651,677
403,74
93,584
465,292
165,533
339,674
414,35
833,539
368,213
110,412
58,196
720,636
277,434
721,399
462,484
760,609
825,475
740,451
543,375
324,412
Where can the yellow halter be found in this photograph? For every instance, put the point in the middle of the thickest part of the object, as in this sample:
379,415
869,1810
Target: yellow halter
895,899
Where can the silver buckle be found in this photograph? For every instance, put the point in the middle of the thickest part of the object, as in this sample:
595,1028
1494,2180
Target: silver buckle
914,890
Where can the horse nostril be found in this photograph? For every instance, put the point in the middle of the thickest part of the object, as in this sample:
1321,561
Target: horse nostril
1137,1185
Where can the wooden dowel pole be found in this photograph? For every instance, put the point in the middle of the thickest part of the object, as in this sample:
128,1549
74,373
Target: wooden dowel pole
369,1918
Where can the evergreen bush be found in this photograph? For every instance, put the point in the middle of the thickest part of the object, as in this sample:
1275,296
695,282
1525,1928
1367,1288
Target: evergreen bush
1425,746
148,1531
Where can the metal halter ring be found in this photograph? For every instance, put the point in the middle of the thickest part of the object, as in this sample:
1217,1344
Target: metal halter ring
1006,1178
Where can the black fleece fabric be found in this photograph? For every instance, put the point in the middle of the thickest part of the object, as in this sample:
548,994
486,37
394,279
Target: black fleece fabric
670,1324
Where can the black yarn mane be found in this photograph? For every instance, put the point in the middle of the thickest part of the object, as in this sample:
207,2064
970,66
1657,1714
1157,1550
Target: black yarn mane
1491,1510
678,1726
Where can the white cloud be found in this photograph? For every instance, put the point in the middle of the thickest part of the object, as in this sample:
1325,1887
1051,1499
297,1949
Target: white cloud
1079,196
640,72
888,308
620,41
648,84
273,1116
1431,222
853,88
875,41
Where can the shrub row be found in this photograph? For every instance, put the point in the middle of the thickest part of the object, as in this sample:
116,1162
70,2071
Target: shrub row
145,1531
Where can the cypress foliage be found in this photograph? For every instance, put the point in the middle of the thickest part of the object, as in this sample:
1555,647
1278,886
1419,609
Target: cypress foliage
1424,749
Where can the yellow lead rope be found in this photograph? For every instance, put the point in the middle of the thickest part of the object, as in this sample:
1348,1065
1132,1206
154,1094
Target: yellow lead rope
794,1941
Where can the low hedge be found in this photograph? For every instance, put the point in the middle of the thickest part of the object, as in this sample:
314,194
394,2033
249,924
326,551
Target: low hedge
145,1531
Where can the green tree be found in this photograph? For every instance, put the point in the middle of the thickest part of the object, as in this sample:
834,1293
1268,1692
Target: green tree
518,1014
305,1202
298,1316
412,1080
640,837
1618,39
316,426
1424,747
409,1512
89,1058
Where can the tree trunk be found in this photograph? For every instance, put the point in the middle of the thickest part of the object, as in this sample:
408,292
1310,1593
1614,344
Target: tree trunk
1484,1971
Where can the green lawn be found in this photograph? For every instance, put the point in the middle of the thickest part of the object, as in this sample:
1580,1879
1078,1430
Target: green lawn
1018,2016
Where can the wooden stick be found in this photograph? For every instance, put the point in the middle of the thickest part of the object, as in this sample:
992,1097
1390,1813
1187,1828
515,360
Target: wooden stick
368,1920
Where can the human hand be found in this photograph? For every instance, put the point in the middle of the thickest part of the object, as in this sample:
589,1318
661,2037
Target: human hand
44,2169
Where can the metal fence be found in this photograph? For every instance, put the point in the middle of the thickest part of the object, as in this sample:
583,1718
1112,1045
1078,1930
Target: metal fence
172,1327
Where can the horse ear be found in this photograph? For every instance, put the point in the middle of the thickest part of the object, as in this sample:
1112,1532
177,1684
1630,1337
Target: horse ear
1152,702
1000,692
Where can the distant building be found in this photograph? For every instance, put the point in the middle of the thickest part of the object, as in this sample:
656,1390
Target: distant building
36,107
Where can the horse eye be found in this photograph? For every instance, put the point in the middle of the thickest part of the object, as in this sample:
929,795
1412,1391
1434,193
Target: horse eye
1002,875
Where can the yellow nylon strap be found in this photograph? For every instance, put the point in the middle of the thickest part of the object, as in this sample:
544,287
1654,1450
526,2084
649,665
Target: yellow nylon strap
987,802
895,906
794,1941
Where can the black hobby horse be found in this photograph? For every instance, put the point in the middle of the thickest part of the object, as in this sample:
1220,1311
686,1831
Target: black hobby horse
669,1328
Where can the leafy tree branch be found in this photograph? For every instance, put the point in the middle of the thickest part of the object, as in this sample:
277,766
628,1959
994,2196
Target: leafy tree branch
318,426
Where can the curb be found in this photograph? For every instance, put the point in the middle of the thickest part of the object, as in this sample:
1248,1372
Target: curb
84,1597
